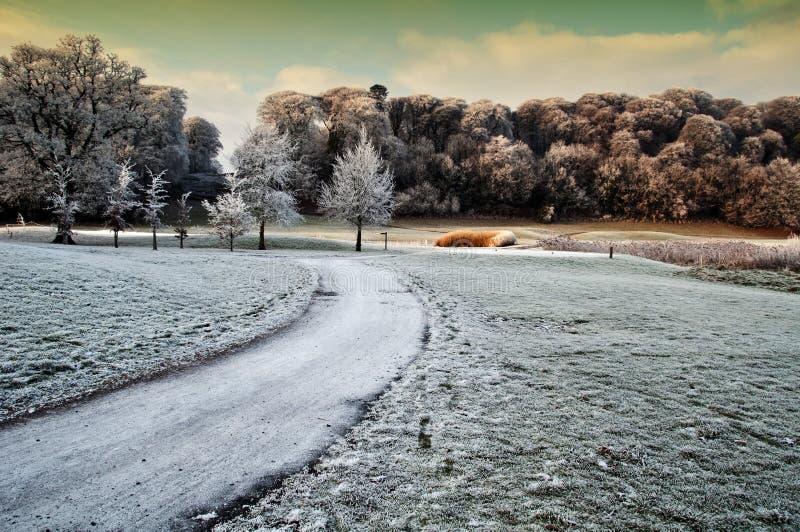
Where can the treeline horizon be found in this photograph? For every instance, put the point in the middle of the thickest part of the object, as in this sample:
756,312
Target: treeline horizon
679,155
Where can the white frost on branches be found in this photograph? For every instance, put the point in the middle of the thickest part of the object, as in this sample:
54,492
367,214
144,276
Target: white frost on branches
182,220
120,199
265,164
155,198
361,188
62,205
229,216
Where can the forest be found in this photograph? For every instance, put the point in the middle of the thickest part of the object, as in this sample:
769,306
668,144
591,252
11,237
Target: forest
675,156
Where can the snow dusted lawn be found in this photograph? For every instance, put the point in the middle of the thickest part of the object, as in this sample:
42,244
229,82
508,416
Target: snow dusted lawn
565,391
75,319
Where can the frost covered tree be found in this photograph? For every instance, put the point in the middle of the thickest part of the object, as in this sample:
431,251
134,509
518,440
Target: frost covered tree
155,201
706,136
508,170
265,164
63,205
229,215
345,111
121,199
161,143
202,138
484,119
182,220
66,106
361,189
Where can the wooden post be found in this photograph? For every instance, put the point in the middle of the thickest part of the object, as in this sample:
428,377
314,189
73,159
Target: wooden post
611,252
385,240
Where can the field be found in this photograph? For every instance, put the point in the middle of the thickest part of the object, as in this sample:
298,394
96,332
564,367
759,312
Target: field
563,390
423,231
555,390
77,319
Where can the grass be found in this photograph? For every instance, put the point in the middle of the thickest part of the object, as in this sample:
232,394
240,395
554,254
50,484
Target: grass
717,254
199,238
404,232
562,392
76,319
783,280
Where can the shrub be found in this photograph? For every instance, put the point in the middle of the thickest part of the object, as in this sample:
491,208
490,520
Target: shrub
476,239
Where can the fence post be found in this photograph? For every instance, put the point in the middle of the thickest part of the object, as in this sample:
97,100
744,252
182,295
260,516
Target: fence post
611,252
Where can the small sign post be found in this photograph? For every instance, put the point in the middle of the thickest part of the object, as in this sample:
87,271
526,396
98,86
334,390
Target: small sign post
385,240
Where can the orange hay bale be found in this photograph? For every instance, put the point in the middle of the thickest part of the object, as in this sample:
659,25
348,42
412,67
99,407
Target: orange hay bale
476,239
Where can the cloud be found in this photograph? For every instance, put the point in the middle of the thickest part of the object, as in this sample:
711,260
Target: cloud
314,79
754,63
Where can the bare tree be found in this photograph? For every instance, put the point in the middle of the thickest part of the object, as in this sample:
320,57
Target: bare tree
361,189
229,216
183,218
63,205
120,201
265,163
155,201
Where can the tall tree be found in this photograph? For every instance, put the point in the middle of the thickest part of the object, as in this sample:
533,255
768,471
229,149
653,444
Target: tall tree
121,199
154,201
202,138
380,93
361,189
161,143
265,162
64,106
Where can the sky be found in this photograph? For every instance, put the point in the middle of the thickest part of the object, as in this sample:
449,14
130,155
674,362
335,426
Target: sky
229,55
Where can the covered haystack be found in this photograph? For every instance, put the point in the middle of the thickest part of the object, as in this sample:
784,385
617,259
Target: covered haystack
476,239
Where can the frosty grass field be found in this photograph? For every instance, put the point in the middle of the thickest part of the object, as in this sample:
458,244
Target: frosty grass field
555,390
76,319
560,391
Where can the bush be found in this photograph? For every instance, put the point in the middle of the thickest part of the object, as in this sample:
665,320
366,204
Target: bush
476,239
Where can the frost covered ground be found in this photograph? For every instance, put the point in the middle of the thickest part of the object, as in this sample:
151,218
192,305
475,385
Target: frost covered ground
75,319
571,391
785,280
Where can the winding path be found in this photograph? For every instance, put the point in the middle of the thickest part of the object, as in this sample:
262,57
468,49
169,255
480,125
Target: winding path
156,454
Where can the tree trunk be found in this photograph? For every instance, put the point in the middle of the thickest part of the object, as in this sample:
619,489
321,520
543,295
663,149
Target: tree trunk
63,238
182,237
116,238
231,236
358,235
261,243
155,242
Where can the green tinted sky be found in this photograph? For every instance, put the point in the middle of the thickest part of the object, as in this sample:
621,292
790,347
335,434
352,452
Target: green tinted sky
357,35
230,54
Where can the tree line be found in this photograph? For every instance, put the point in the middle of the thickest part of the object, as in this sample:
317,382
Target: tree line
69,115
72,116
674,156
